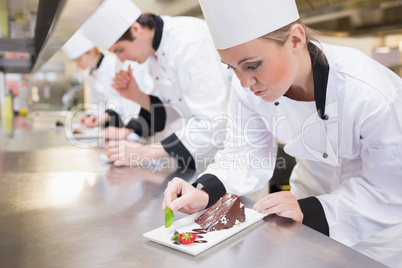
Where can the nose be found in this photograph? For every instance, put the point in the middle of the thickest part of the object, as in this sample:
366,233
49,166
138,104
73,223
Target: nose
122,58
246,80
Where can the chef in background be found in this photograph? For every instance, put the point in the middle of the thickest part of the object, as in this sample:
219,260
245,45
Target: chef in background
100,69
190,82
338,111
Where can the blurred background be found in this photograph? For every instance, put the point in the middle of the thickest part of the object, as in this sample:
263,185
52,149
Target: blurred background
36,76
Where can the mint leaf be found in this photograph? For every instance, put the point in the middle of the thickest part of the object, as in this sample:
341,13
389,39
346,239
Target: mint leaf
169,217
175,238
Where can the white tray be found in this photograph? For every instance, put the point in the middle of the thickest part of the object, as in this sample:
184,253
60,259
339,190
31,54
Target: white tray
74,125
163,235
89,133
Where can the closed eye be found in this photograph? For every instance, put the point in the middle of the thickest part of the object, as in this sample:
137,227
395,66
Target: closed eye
254,66
118,50
230,67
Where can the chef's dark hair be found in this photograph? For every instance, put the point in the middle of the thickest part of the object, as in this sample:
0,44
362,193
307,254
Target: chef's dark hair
281,35
146,20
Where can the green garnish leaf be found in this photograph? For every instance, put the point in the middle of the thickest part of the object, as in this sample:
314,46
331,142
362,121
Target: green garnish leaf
175,238
169,217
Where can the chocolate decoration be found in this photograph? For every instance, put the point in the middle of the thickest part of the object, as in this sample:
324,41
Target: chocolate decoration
224,214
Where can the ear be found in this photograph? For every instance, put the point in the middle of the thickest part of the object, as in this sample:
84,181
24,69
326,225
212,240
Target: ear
135,29
297,37
92,51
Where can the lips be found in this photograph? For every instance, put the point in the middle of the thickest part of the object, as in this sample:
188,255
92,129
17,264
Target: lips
259,93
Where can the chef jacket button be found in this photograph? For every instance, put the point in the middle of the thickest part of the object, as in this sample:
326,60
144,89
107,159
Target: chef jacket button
325,155
163,54
276,103
157,78
325,117
179,99
168,101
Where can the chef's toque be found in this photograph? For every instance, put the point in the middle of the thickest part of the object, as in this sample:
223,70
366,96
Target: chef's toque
77,46
110,21
234,22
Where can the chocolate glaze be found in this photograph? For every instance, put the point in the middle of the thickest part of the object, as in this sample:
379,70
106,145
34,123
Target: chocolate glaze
224,214
198,231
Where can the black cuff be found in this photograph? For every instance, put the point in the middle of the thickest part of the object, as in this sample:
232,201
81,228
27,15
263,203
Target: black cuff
314,216
149,122
159,114
214,187
114,119
175,148
139,126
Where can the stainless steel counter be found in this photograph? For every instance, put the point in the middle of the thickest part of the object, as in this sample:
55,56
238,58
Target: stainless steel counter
62,206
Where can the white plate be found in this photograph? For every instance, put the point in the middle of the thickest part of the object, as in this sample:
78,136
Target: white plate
74,125
90,133
103,157
163,235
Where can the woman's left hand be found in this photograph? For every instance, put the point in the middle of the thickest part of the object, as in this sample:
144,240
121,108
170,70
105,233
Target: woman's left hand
283,204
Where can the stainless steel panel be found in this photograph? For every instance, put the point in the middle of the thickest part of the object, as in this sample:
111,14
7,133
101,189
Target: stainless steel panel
62,206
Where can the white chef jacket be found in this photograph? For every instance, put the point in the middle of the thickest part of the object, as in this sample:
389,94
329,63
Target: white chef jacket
352,162
193,85
104,96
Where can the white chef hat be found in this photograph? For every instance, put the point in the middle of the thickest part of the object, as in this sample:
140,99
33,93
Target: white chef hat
234,22
110,21
77,46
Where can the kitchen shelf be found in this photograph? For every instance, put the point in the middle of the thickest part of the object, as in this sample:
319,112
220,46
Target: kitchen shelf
56,22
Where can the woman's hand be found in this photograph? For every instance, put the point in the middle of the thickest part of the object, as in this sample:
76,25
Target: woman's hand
89,121
283,204
181,196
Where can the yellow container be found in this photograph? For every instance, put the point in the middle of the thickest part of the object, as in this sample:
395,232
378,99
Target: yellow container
7,106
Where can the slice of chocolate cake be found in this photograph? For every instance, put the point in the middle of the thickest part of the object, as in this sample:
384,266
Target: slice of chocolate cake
77,131
228,211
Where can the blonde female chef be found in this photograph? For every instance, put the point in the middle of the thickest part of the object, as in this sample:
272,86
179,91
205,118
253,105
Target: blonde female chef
338,111
190,81
110,107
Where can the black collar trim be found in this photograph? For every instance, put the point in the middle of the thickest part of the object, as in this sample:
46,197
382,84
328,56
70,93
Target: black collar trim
158,33
99,62
320,76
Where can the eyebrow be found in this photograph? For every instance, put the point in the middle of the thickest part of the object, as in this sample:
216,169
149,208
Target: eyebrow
245,59
241,61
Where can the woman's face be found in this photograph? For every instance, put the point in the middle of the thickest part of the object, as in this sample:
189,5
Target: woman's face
86,60
263,66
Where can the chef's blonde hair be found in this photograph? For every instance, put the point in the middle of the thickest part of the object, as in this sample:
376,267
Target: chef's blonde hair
97,50
281,35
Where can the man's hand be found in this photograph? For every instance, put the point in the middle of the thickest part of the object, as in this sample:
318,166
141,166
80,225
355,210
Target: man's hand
115,133
126,85
131,153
